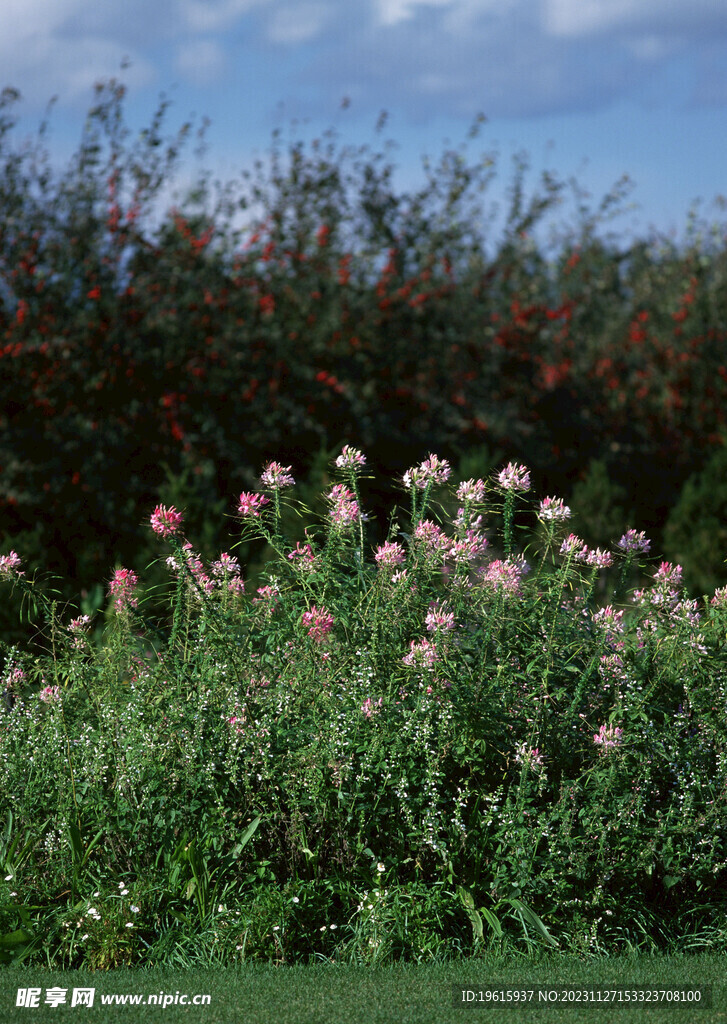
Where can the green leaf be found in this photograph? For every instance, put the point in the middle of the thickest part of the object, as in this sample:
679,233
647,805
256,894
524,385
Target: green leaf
533,920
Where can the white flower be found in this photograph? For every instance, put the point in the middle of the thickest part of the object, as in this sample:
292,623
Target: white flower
380,867
8,878
133,909
296,900
129,924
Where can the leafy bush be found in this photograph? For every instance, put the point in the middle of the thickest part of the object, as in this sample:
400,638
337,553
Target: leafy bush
148,352
411,755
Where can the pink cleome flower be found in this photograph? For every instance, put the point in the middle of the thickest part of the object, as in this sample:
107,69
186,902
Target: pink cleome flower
345,511
514,478
50,694
432,471
371,707
166,521
439,617
350,458
553,510
421,655
250,504
390,554
633,541
471,490
10,566
319,621
122,587
608,736
276,476
573,545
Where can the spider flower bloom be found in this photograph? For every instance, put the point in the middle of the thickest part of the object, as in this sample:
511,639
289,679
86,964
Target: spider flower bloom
390,554
633,541
250,504
573,545
553,510
514,478
608,736
276,476
439,617
166,521
122,587
350,458
370,707
720,598
226,565
345,511
421,655
50,694
432,471
471,490
468,548
303,557
432,537
609,619
10,566
595,557
504,576
319,621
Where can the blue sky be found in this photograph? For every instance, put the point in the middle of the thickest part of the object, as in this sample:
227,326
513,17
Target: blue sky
588,88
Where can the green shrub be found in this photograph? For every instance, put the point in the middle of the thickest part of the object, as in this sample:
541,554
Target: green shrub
412,755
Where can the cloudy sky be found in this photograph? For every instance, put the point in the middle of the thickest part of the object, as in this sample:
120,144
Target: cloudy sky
591,88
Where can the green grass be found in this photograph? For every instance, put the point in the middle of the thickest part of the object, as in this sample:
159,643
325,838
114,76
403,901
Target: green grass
399,994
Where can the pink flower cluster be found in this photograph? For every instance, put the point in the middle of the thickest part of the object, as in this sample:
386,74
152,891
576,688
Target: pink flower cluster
633,541
319,623
514,478
432,538
10,566
50,694
350,458
595,557
122,589
432,471
468,548
608,736
166,522
303,556
276,476
439,617
553,510
390,554
226,569
345,511
471,490
250,504
370,707
504,575
421,654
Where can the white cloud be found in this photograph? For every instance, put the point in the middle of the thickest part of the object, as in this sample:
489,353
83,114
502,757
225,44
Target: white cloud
578,18
200,61
299,23
393,12
216,15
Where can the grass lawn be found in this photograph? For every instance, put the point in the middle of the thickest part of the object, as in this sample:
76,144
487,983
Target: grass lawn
402,994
